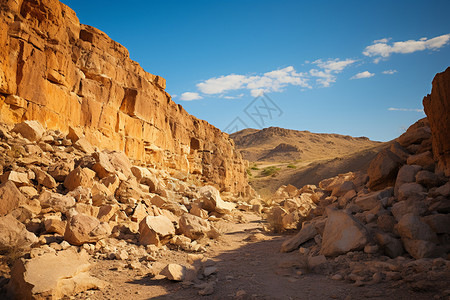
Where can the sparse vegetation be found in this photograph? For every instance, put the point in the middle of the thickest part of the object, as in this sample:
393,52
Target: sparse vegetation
254,167
249,173
270,171
291,166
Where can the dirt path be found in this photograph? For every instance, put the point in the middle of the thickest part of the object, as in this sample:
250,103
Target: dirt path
247,269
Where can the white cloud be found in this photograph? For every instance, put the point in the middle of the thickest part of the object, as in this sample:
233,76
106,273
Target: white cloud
389,72
330,68
365,74
382,49
405,109
188,96
233,97
273,81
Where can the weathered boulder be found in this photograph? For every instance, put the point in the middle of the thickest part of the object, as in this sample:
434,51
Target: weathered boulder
79,177
406,174
305,234
343,188
425,160
373,199
383,170
211,200
44,179
31,130
411,190
439,223
155,230
437,108
174,272
10,197
53,276
194,227
82,229
342,234
14,235
19,178
416,133
390,245
428,179
56,202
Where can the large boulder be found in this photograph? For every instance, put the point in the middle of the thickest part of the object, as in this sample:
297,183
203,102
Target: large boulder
383,170
155,230
406,174
305,234
79,177
10,197
53,276
82,229
56,202
31,130
194,227
14,235
211,200
342,233
437,108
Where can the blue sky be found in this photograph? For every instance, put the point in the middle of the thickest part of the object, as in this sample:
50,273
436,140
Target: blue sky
359,68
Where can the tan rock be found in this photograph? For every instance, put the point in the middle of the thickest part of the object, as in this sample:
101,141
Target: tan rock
174,272
53,276
14,235
305,234
103,167
155,230
79,177
383,170
54,224
44,179
211,200
84,145
199,212
194,227
10,197
31,130
56,202
425,160
342,234
82,229
18,178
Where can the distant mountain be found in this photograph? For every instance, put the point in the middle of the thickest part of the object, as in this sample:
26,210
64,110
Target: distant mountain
276,144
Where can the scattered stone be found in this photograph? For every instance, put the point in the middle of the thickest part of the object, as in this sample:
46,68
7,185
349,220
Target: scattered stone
14,235
194,227
83,177
31,130
305,234
10,197
82,229
174,272
211,200
155,230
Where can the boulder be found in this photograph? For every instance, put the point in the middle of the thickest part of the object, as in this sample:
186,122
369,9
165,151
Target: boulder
416,133
211,200
14,235
390,245
103,167
155,230
428,179
82,229
306,233
53,275
10,197
56,202
342,233
383,170
174,272
83,177
194,227
439,223
406,174
54,224
437,108
412,190
31,130
416,207
373,199
19,178
84,145
425,160
44,179
342,189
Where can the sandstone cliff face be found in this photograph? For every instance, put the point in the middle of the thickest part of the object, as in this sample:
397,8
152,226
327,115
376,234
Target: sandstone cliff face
437,108
64,74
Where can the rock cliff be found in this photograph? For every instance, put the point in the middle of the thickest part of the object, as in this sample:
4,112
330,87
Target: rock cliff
68,75
437,108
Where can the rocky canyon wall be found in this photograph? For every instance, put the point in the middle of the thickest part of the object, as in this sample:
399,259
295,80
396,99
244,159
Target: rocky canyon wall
437,108
64,74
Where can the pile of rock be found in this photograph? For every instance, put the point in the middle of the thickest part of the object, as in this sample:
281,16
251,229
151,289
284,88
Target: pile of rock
58,193
398,212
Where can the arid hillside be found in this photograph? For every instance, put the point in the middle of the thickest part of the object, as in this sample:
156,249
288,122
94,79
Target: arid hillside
276,144
281,156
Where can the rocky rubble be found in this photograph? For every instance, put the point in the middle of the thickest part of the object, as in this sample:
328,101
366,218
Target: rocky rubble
391,224
63,202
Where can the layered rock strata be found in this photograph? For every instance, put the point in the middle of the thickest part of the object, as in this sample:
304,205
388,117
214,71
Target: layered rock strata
72,76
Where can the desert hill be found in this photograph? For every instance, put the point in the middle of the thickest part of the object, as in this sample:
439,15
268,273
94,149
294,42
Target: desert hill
276,144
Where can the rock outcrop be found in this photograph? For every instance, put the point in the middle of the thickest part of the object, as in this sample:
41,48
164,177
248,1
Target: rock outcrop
74,78
437,108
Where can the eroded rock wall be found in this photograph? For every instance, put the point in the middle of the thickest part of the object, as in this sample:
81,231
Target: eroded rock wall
64,74
437,108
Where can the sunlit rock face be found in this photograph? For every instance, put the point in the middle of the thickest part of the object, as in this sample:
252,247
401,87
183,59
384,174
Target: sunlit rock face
64,74
437,108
